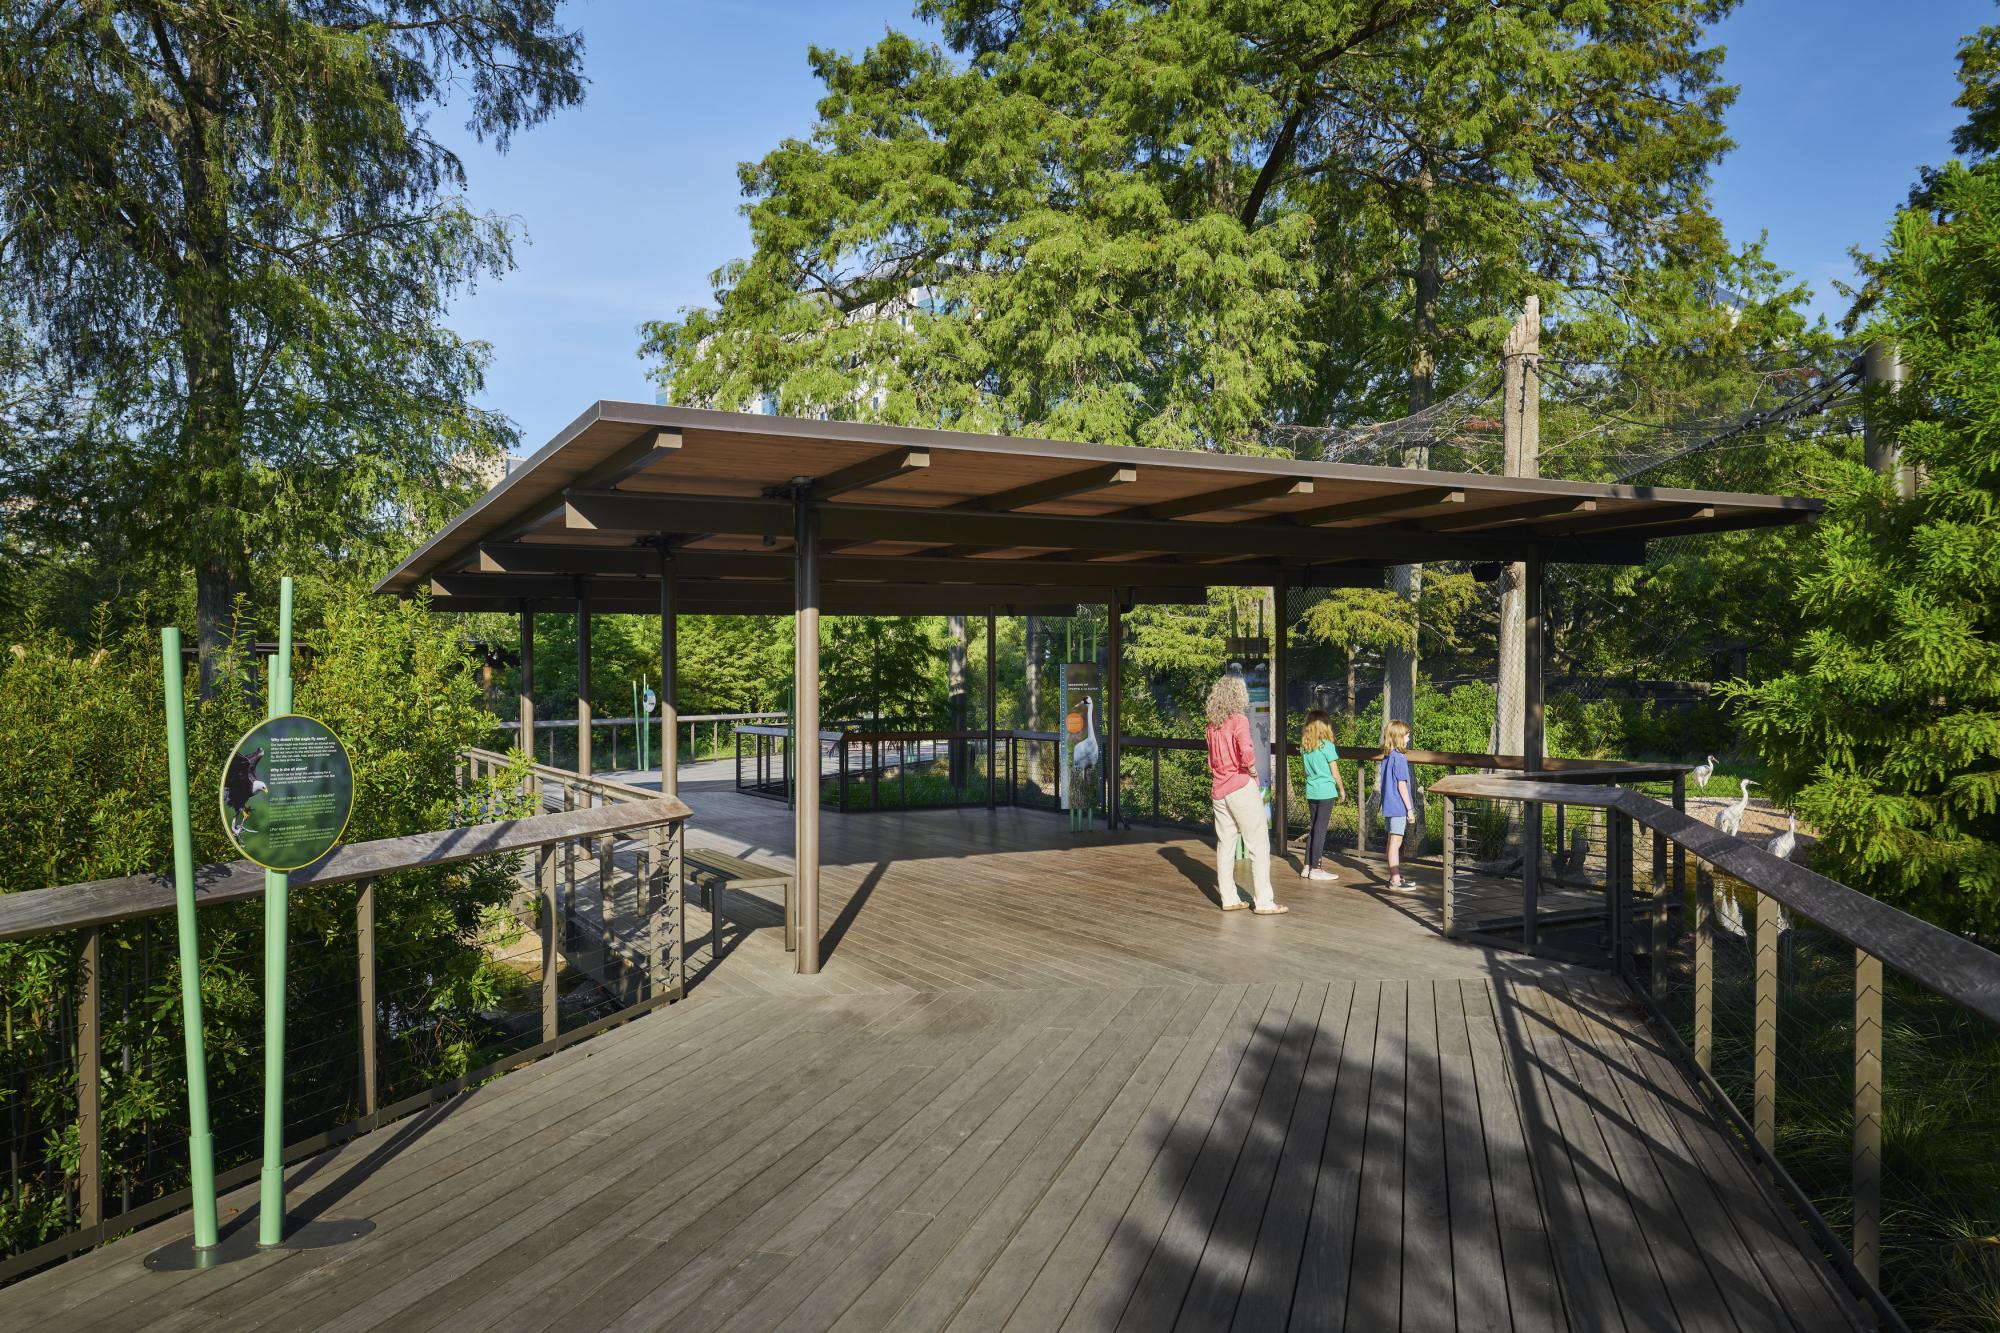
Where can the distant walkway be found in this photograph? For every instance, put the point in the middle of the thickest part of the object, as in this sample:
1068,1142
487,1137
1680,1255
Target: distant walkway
1041,1083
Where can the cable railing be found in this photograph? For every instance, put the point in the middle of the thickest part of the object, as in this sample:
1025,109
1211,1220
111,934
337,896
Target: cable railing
615,740
1853,1045
420,966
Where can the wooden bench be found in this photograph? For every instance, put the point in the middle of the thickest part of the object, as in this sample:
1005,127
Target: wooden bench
713,871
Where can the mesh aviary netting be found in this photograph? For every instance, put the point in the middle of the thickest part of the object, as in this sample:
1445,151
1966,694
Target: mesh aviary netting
1633,654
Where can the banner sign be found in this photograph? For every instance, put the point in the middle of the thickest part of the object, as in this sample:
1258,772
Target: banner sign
287,792
1081,751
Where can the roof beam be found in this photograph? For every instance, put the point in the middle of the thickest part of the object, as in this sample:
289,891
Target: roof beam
623,511
1233,497
870,471
1493,515
1060,488
1626,520
653,447
1400,502
777,567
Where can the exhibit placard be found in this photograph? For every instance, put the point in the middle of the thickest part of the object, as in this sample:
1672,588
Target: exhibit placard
287,791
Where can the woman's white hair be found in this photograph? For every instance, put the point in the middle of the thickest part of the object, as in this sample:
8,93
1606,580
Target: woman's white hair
1226,698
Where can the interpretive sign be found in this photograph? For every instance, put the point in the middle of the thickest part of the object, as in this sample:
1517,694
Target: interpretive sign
1081,753
287,791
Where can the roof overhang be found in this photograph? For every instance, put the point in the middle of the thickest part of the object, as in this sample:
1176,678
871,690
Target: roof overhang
929,521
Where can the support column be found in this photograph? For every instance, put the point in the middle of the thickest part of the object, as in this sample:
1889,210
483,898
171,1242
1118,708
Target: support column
805,729
670,725
1520,427
992,704
582,687
527,687
1533,742
1281,725
1882,368
1114,698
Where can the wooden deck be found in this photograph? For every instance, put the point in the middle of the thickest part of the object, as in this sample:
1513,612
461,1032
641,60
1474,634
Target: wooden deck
1042,1083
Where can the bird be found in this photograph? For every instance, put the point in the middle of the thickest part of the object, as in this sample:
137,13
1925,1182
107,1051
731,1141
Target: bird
1083,763
1785,843
1730,821
1729,912
1703,772
239,785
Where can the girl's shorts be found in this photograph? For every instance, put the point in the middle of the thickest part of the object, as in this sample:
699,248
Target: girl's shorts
1397,823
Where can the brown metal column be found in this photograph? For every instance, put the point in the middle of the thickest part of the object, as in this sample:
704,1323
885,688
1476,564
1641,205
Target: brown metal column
1533,736
1114,694
670,717
805,731
1281,723
992,697
582,687
527,689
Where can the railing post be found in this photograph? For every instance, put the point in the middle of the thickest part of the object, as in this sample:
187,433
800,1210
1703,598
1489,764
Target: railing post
1361,805
1704,968
545,875
1156,784
90,1082
1617,893
1450,864
1662,921
364,958
1866,1242
1764,1076
1531,872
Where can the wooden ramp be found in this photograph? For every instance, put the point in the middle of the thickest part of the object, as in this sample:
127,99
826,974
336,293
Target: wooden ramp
1041,1084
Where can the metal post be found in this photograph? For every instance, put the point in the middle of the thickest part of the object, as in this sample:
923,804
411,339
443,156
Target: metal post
1531,872
1281,775
1866,1242
1114,694
992,703
201,1147
582,686
1764,1074
806,712
1450,865
670,676
1704,967
271,1179
526,699
545,879
1533,738
90,1082
1361,806
364,948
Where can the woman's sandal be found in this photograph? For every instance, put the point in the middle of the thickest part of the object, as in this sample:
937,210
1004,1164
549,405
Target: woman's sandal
1275,909
1234,907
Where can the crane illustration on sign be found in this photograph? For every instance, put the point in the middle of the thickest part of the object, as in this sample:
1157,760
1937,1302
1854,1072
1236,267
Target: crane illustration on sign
1082,766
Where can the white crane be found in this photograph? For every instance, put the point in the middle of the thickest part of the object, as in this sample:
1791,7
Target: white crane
1787,842
1083,758
1730,821
1703,772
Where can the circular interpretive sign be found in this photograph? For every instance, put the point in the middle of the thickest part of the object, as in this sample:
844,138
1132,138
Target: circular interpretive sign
287,791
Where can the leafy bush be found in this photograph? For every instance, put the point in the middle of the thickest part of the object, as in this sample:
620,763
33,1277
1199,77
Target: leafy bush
84,796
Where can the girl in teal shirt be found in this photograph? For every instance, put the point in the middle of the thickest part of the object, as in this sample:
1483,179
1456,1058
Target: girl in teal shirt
1318,753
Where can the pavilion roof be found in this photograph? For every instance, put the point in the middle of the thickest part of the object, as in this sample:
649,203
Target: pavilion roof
930,521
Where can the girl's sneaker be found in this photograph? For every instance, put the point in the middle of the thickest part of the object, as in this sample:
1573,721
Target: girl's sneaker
1317,873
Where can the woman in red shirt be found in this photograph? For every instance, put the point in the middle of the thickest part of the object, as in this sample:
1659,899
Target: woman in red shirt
1236,799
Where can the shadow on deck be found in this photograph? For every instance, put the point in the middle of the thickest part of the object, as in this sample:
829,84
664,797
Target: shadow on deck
1041,1083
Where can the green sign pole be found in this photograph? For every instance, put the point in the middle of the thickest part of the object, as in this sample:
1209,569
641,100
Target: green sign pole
271,1199
201,1148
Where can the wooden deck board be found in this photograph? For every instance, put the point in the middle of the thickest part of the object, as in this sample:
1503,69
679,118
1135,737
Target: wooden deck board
1042,1082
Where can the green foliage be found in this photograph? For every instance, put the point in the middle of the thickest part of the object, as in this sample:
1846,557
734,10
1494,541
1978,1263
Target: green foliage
1173,225
1886,733
84,796
234,240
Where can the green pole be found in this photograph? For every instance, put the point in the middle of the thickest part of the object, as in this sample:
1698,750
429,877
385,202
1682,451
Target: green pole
201,1148
271,1198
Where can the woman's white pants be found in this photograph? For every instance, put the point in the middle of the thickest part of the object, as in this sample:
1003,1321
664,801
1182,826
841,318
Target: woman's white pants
1241,813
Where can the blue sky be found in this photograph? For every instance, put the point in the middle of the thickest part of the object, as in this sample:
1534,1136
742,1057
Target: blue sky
630,201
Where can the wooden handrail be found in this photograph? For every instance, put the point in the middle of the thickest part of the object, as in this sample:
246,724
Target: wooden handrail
1950,965
102,902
